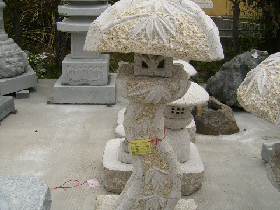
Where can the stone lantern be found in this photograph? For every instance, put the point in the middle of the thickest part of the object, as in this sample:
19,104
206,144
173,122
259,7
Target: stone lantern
157,30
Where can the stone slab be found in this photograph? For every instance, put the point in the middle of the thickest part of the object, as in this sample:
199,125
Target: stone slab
85,94
85,71
75,25
6,106
21,82
19,192
107,202
82,9
116,173
22,94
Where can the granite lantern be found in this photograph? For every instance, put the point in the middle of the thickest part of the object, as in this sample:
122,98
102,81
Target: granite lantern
156,31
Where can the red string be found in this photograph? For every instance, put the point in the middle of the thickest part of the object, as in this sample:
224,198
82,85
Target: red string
154,140
62,186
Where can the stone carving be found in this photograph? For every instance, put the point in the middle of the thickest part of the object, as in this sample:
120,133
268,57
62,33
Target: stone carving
259,93
224,84
157,21
215,118
156,179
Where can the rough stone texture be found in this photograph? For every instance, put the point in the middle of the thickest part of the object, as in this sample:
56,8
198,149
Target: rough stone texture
267,151
117,173
22,94
21,193
85,94
20,82
85,71
275,164
214,118
108,202
259,93
156,28
6,106
224,84
187,67
192,131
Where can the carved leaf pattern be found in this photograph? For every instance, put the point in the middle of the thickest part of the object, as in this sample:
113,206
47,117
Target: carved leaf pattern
155,202
155,23
156,176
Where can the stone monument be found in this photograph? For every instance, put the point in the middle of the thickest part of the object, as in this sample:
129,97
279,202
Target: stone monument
85,76
156,31
15,71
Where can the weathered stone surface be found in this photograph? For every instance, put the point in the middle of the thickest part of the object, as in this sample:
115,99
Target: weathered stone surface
6,106
19,192
93,72
267,151
117,173
24,81
259,93
108,202
224,84
85,94
22,94
156,28
275,164
214,118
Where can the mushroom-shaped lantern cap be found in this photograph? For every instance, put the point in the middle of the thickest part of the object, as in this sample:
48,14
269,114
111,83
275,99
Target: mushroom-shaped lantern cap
171,28
195,95
187,67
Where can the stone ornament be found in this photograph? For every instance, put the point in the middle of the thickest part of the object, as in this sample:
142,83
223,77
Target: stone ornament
155,27
158,31
259,93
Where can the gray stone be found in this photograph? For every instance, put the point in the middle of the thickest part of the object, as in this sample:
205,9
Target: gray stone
116,173
20,82
215,118
22,94
224,84
6,106
85,71
108,202
21,193
267,151
85,94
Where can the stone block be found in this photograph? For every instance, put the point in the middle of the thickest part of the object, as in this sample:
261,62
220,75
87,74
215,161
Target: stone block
77,44
83,9
85,94
6,106
17,83
19,192
85,71
267,151
22,94
116,173
107,202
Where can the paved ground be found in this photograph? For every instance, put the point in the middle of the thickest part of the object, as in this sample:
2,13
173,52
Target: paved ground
58,143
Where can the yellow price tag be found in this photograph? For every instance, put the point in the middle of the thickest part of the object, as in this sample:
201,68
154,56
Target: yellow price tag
141,147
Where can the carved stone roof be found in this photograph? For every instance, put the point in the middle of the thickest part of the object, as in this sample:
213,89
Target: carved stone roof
172,28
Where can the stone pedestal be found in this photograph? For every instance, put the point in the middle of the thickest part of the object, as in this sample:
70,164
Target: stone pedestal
107,202
117,173
6,106
85,76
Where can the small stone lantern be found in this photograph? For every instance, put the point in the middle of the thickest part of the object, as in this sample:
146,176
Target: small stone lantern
161,30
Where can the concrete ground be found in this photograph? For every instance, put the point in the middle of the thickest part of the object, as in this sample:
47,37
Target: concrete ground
58,143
